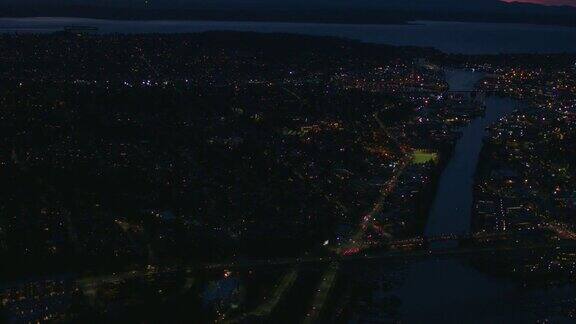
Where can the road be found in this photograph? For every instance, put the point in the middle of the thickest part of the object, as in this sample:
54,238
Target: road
90,284
355,243
322,294
264,310
451,252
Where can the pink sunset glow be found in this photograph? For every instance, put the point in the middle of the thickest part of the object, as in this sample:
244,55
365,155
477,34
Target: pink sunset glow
548,2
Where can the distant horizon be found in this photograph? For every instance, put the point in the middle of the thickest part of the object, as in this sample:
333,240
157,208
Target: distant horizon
164,3
546,2
542,12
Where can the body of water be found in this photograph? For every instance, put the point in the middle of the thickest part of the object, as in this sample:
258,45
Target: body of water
450,37
446,290
452,205
435,290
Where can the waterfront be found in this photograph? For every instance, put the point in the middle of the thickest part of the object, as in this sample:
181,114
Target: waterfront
247,176
450,37
451,290
446,289
450,214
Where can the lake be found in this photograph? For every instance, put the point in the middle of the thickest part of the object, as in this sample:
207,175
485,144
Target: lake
450,37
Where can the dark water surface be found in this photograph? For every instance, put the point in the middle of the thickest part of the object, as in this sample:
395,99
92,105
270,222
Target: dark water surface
451,37
452,206
449,290
435,290
446,289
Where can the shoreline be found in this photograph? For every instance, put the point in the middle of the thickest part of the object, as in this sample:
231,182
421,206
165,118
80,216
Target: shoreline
512,39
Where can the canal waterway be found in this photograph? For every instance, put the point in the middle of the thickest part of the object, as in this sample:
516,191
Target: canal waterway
447,290
452,205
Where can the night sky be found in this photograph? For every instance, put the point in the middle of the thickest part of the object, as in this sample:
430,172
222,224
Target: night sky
172,2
